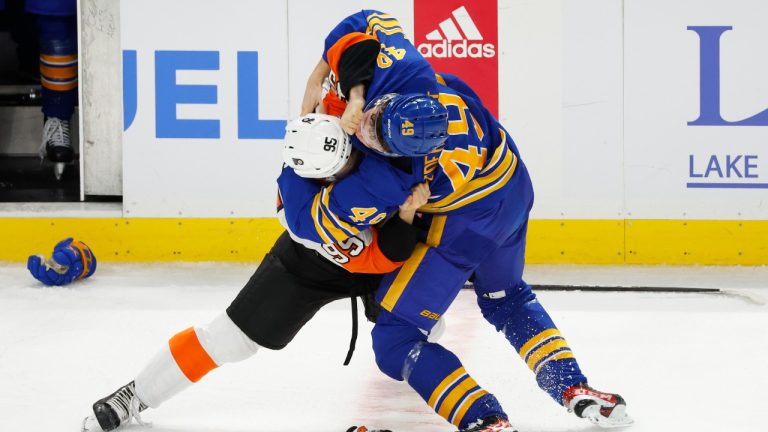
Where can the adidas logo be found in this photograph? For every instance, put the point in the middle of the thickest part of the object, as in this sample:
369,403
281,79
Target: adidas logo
452,39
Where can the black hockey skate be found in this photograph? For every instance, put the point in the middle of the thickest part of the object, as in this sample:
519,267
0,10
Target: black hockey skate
603,409
118,408
490,424
57,144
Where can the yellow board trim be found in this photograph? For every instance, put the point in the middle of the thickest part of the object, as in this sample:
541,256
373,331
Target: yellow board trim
143,240
567,241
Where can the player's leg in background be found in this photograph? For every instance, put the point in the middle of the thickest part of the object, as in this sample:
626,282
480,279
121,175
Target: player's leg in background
508,303
57,33
420,292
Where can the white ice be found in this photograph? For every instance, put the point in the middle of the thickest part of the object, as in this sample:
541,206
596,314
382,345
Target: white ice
684,362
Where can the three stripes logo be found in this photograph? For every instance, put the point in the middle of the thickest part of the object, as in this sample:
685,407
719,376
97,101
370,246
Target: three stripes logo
456,37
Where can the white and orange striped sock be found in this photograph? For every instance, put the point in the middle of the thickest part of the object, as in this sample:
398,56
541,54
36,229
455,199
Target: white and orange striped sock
189,356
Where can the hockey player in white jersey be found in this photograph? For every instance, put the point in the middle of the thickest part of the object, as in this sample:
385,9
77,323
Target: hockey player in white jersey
290,285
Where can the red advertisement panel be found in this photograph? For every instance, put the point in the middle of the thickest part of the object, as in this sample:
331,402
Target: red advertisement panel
461,37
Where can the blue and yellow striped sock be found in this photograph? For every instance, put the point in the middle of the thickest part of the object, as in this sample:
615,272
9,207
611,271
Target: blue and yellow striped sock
440,379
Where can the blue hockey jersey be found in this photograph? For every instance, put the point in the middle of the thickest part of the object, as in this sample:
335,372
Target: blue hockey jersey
478,159
400,68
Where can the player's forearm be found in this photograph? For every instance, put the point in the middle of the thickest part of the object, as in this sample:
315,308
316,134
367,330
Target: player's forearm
314,90
319,73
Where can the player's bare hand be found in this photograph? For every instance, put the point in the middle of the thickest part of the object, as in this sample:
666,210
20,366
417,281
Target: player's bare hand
352,116
312,98
418,197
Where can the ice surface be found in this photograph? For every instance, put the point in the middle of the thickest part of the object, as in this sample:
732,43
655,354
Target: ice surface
684,362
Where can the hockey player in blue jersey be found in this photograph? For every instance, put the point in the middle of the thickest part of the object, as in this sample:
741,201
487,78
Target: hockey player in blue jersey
56,22
416,127
57,30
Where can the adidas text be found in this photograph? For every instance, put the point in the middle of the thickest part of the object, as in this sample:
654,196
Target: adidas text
456,49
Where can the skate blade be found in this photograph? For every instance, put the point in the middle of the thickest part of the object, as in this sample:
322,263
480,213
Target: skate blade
617,419
58,169
90,424
612,422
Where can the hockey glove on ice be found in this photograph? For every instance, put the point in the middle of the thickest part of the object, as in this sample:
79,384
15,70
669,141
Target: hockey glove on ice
70,261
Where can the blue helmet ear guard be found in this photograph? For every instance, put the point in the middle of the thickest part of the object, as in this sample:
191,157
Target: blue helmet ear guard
414,124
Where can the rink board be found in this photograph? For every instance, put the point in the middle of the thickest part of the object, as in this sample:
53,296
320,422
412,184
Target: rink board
549,241
617,113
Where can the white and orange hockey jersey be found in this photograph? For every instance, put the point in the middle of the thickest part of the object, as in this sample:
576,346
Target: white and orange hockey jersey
359,253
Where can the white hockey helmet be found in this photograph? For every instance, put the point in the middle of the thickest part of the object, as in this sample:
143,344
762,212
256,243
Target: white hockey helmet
316,146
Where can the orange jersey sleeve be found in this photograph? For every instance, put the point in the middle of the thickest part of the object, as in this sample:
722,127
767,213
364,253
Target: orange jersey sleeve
334,52
357,257
332,103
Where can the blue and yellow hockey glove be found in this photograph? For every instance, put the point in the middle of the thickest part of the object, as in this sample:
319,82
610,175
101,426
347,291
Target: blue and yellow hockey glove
70,261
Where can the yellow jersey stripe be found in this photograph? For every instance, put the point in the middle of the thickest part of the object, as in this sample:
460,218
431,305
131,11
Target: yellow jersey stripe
384,23
479,130
502,160
444,384
378,28
398,286
382,15
436,229
403,277
559,356
481,193
349,228
477,188
459,415
455,395
440,80
384,20
545,350
532,342
316,218
498,153
337,234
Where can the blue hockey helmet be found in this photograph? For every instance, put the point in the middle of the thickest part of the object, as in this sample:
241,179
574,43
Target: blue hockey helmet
404,125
